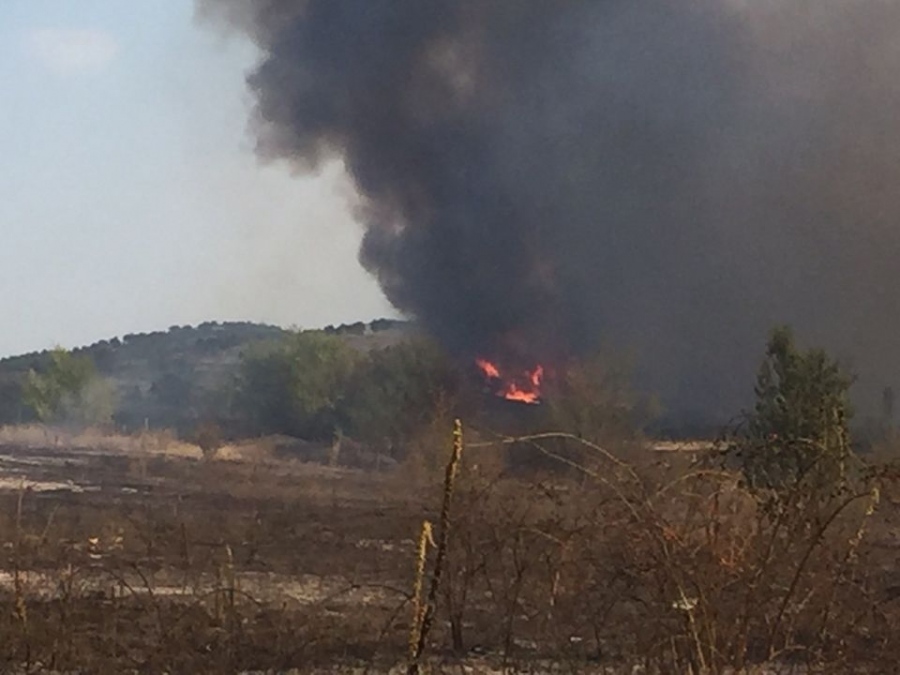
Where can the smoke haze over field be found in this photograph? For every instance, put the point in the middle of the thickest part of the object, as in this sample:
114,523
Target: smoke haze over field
537,178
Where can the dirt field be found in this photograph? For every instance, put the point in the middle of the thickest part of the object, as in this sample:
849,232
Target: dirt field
123,560
156,563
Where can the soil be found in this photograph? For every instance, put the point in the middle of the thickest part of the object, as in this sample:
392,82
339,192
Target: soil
157,563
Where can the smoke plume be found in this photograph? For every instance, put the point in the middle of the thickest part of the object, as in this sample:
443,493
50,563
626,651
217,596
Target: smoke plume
538,178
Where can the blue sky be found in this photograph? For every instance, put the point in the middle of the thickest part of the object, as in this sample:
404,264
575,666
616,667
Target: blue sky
130,198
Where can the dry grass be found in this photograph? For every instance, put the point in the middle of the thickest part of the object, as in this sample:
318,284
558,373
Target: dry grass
665,564
38,436
673,566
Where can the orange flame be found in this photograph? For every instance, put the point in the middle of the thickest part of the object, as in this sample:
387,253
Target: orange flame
489,369
526,390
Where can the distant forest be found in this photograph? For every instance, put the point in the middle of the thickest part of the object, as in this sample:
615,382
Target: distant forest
170,379
382,386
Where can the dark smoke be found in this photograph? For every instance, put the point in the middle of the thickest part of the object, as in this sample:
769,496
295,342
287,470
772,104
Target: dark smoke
674,177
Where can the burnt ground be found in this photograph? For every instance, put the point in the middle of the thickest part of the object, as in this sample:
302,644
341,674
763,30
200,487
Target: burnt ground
114,563
153,563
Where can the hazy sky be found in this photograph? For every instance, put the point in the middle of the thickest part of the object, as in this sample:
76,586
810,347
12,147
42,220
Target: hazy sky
130,198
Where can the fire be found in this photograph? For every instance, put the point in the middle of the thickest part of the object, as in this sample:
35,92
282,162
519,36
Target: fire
489,369
525,388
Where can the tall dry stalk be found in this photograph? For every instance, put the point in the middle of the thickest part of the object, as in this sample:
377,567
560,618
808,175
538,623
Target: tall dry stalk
418,613
422,627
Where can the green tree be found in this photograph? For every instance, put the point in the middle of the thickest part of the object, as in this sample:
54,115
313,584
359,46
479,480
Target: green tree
396,392
593,399
798,429
68,389
94,405
295,386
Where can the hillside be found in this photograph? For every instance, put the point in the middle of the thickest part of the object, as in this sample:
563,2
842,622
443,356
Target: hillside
171,379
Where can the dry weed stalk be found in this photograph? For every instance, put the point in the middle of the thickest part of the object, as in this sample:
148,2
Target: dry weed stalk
418,614
423,627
